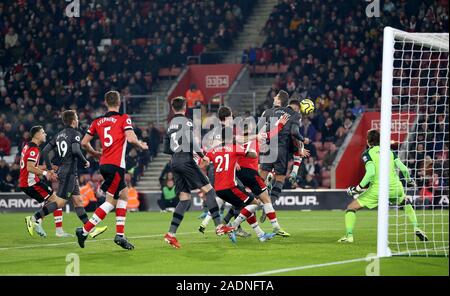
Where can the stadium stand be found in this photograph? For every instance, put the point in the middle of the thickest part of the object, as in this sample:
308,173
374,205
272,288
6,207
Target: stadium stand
49,62
330,51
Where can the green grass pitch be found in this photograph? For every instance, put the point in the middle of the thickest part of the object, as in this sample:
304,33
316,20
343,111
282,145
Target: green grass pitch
312,249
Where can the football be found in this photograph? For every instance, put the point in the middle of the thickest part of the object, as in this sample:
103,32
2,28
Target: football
306,106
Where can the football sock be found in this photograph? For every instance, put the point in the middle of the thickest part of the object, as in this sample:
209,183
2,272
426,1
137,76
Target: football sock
213,208
276,191
121,213
271,215
45,210
99,214
81,213
206,221
220,202
244,214
411,214
254,224
178,215
350,218
58,217
297,162
232,213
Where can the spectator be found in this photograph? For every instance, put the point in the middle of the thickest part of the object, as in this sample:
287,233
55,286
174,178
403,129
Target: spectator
165,174
278,55
5,145
308,183
307,130
4,169
11,39
310,167
7,184
194,98
131,164
357,109
330,156
155,139
328,131
169,198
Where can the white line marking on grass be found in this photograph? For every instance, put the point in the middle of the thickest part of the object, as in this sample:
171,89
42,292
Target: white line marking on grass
334,263
308,266
88,241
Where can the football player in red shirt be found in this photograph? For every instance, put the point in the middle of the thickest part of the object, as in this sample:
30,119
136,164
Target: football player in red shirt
115,130
225,158
31,184
249,176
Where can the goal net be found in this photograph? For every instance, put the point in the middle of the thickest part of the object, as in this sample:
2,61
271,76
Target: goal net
414,124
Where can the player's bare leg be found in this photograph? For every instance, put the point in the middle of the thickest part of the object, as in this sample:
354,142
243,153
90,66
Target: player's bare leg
178,215
350,219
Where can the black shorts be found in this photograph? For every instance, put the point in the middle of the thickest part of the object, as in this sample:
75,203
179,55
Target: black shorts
39,191
188,176
251,179
280,165
114,177
237,196
68,185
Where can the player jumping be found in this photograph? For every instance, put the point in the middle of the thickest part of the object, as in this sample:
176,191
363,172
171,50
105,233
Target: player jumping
249,176
115,130
369,198
225,157
180,143
290,132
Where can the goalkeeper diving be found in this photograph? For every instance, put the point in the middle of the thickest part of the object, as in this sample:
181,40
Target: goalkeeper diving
369,198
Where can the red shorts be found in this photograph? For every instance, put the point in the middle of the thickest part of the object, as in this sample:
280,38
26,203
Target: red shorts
237,196
39,191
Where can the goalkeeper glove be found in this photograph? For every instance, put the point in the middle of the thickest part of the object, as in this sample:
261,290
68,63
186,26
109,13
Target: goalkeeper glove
352,190
411,182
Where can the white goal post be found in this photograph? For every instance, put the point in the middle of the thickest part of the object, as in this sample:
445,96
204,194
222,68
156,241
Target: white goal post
415,88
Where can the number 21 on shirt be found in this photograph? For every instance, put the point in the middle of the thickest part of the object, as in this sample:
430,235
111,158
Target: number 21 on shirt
222,165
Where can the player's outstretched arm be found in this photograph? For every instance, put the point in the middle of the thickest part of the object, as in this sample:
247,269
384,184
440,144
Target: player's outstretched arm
133,140
403,169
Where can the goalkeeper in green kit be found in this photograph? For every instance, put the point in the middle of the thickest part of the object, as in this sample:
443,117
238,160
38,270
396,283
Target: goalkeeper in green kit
369,198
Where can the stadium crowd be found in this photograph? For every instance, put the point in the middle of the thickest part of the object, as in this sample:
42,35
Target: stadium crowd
49,62
333,53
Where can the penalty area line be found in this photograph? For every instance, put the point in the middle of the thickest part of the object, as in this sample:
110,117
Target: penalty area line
282,270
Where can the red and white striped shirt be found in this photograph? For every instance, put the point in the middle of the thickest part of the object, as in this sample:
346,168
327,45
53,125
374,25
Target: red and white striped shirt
30,152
